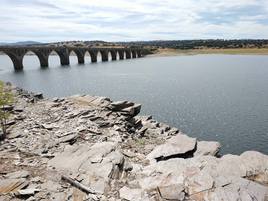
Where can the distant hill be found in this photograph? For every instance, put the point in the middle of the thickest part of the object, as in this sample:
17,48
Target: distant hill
21,43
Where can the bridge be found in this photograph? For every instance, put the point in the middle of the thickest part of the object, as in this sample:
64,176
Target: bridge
16,54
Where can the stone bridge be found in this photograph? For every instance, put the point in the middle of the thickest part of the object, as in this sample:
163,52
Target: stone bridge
16,54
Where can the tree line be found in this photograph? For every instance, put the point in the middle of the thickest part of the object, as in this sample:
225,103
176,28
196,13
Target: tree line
198,44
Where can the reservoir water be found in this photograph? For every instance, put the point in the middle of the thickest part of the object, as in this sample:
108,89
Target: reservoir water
211,97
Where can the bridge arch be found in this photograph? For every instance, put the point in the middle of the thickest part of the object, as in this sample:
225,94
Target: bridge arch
99,57
7,61
73,57
117,55
109,56
80,54
16,58
54,58
87,57
33,58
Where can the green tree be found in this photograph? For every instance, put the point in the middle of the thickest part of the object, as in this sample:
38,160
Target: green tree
6,99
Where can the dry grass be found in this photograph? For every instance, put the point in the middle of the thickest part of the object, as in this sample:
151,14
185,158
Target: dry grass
237,51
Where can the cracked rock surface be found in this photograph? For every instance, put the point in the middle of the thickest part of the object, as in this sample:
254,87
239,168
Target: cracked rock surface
91,148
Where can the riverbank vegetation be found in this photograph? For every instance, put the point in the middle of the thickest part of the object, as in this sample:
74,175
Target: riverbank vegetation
6,99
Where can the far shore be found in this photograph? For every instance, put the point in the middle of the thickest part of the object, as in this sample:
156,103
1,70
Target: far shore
234,51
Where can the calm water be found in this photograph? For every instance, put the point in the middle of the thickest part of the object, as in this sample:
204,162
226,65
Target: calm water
211,97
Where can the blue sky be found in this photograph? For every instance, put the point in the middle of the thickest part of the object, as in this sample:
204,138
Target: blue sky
128,20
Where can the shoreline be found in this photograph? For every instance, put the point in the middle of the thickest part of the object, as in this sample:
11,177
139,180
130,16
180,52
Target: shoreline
236,51
58,146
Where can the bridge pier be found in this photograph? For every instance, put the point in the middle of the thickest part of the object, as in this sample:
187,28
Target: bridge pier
104,55
134,54
64,56
139,54
113,53
121,54
43,57
93,55
80,55
17,62
128,54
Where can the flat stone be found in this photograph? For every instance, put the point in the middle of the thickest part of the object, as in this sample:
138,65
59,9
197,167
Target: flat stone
132,110
199,182
38,95
176,146
119,105
131,194
7,107
163,173
18,109
75,157
207,148
99,163
172,192
255,162
47,126
12,185
240,189
230,165
101,101
28,191
13,135
18,174
1,134
10,123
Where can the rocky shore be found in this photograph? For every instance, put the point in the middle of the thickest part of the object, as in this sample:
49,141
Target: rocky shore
90,148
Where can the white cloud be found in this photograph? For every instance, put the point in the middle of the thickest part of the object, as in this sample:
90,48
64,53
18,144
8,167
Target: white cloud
132,19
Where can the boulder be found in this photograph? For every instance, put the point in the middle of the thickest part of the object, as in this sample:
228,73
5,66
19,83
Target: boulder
163,173
239,189
179,146
199,182
207,148
256,164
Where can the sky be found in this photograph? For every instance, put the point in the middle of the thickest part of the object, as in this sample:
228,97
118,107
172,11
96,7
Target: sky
132,20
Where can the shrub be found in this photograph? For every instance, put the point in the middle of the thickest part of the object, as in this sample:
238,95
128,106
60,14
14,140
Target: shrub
6,99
